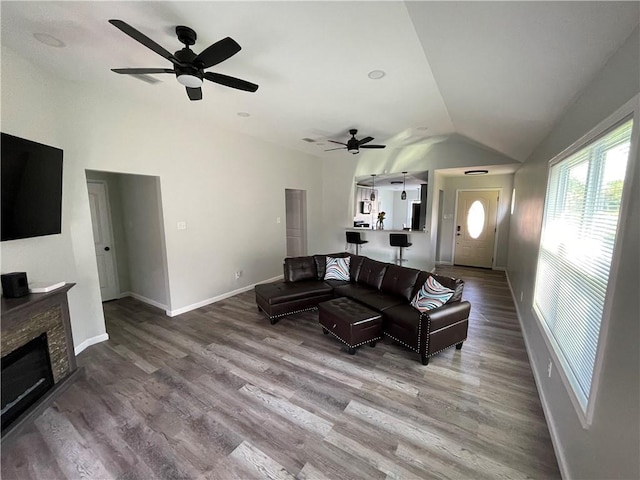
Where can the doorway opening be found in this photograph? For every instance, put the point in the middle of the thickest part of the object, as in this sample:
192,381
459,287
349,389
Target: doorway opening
296,222
129,237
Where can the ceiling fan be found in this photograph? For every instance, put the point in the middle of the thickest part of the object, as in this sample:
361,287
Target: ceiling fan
354,145
187,66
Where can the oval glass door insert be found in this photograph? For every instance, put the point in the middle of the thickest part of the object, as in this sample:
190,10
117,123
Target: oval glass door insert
475,219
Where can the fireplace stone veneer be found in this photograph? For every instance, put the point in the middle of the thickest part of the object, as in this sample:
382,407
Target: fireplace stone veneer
26,318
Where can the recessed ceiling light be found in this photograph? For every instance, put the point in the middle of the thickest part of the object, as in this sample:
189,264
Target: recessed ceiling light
376,74
476,172
49,40
244,114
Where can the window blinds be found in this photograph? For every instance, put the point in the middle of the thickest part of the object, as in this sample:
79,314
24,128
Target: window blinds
582,207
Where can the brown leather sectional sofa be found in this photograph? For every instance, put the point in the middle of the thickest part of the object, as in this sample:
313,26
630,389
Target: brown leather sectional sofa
383,287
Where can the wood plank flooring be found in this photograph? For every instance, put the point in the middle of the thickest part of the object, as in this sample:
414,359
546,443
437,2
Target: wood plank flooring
219,393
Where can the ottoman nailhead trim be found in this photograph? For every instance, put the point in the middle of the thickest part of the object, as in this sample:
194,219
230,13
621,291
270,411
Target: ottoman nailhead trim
291,313
348,344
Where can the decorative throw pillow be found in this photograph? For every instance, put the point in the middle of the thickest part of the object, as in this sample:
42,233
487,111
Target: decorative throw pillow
337,268
431,295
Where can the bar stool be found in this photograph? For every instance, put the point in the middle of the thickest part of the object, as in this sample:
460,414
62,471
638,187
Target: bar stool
399,240
354,237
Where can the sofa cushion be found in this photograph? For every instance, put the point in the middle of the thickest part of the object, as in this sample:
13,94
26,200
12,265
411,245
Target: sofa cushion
337,268
281,292
300,268
405,317
431,295
356,263
380,300
353,290
399,281
321,261
372,272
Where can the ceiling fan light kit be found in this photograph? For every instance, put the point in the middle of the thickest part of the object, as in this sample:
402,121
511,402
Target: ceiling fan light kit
187,66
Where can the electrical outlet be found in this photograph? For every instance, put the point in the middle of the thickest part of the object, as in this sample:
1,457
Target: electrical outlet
549,368
521,295
238,274
277,219
182,225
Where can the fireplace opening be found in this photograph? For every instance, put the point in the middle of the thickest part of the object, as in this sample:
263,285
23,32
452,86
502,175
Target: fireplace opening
26,376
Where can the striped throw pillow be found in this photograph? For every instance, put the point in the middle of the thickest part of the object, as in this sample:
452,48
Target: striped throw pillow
431,295
337,268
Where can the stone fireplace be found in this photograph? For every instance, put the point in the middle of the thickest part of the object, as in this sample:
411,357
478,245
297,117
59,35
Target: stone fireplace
38,359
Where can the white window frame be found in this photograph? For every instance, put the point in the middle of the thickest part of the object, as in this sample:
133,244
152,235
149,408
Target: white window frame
629,110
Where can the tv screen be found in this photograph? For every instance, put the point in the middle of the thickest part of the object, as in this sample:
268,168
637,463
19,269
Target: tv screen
31,188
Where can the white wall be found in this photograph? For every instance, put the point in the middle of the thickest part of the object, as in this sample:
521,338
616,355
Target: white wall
199,165
144,233
450,186
609,447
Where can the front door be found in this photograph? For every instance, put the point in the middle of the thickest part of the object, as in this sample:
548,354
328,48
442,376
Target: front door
102,237
475,231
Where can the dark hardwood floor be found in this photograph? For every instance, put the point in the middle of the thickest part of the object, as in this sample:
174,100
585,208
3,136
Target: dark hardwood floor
219,393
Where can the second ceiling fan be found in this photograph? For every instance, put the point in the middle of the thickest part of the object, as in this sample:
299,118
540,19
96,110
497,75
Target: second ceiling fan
354,145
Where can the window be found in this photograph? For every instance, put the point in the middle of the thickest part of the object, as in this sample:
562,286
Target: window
475,219
580,222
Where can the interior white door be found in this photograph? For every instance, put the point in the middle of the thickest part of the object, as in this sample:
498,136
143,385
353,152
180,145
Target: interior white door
296,218
103,239
475,230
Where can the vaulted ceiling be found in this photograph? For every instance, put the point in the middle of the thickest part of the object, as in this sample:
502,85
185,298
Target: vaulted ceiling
497,73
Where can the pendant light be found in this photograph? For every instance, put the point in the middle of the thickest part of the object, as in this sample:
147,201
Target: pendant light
373,189
403,196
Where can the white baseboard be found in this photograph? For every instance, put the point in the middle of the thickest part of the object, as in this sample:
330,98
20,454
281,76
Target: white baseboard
441,262
501,269
144,300
555,440
208,301
90,341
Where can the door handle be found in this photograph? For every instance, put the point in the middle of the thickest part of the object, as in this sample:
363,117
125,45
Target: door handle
106,249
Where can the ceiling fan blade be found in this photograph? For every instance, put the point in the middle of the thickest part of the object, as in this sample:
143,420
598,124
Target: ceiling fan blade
218,52
373,146
365,140
146,41
232,82
142,71
194,93
331,149
333,141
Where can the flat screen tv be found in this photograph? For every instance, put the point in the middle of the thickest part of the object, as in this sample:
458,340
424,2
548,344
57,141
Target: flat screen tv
31,188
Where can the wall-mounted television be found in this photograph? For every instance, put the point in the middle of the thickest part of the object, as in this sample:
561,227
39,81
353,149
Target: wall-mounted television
31,188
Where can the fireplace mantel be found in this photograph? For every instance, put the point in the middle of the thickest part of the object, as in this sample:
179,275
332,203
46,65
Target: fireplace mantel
26,318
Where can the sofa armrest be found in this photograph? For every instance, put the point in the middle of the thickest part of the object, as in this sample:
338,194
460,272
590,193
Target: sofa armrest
446,315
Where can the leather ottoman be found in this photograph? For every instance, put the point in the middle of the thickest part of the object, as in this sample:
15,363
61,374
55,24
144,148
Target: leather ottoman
350,322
